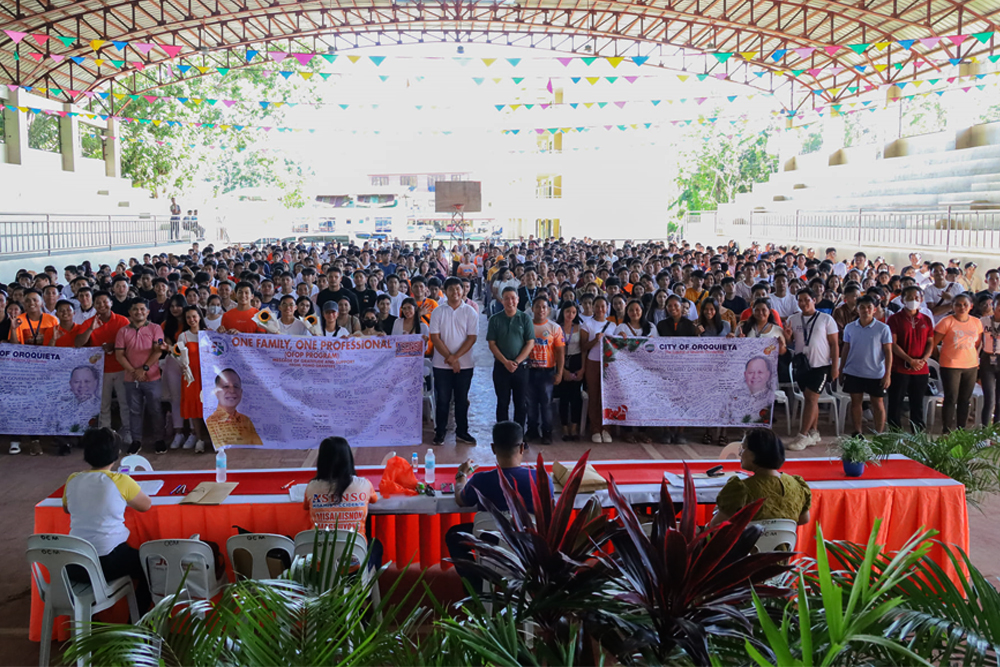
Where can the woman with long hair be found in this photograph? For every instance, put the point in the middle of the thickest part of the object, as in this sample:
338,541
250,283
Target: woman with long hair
170,368
337,499
710,322
596,328
408,321
634,323
761,324
617,314
658,308
191,408
569,390
960,336
303,307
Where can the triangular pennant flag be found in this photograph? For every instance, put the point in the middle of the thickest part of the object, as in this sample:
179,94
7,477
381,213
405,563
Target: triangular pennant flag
588,104
815,72
683,77
277,56
798,72
138,65
593,79
880,68
354,59
701,77
859,48
499,106
955,61
56,91
98,61
517,79
326,75
588,61
66,41
488,61
983,37
957,39
620,105
143,48
40,39
329,57
748,55
929,42
804,52
303,58
700,100
907,43
575,79
251,54
15,36
611,79
229,103
832,50
514,61
150,98
286,74
861,68
171,50
343,106
601,105
96,44
515,107
722,57
211,102
263,104
478,80
994,59
778,54
384,77
615,62
631,79
732,98
37,57
306,75
119,45
202,68
640,60
655,102
376,59
565,61
529,106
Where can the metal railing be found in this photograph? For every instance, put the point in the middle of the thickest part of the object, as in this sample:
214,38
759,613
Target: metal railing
946,228
48,233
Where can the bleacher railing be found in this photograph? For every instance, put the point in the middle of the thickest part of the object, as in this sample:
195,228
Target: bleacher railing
947,228
48,233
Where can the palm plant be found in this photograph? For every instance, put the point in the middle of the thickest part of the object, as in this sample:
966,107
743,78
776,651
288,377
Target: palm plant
317,613
686,584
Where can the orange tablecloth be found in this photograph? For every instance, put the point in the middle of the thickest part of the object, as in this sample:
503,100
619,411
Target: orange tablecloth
905,494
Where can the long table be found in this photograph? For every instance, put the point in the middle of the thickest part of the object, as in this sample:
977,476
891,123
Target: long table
906,495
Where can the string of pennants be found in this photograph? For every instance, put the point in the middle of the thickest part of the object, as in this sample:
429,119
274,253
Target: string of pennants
777,55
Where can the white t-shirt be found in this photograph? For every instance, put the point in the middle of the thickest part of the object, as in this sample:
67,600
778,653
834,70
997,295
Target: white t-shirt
628,331
818,351
595,328
81,316
454,325
786,306
397,328
296,328
395,302
933,294
96,501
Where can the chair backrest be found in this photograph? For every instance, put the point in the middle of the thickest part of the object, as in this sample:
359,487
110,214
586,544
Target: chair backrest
59,590
934,370
58,541
165,563
136,462
256,546
338,540
778,535
428,367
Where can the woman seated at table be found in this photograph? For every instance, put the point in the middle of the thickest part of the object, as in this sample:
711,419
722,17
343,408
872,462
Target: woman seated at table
337,499
96,500
785,496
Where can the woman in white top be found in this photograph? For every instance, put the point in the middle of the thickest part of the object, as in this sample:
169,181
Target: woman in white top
569,390
658,308
96,500
288,324
989,364
369,324
761,324
408,323
634,323
214,313
346,319
330,327
596,329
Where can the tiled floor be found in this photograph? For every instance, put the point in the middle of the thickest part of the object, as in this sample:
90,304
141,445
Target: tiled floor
27,479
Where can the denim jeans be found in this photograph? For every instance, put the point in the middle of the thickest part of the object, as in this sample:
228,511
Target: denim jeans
988,374
511,387
904,386
540,381
448,384
115,382
958,384
144,397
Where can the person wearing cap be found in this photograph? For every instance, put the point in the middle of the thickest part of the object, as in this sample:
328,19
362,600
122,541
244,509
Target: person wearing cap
331,311
969,280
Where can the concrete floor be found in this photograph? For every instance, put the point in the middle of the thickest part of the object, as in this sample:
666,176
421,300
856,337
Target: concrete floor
28,479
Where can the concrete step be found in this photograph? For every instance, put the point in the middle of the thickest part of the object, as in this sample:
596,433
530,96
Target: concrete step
966,197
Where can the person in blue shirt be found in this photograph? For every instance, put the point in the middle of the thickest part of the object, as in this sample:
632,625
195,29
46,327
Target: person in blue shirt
866,363
508,447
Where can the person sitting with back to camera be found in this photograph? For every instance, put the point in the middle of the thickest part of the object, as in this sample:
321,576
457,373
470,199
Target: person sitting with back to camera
785,496
337,499
508,447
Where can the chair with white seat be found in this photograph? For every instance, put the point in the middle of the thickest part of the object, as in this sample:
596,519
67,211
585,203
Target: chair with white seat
52,554
135,462
430,404
192,558
936,399
336,542
257,546
778,535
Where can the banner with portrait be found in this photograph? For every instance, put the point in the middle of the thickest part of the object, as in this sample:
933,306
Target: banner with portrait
50,390
290,392
689,381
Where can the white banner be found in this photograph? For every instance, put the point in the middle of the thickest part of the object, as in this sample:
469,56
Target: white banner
50,390
289,392
689,381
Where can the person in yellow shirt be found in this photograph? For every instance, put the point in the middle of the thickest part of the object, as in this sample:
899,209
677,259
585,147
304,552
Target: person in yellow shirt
226,425
695,293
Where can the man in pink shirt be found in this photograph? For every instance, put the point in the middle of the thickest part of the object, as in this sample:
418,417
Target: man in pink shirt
137,348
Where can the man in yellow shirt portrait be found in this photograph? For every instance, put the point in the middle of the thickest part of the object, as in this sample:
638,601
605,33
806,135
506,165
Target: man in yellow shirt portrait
226,425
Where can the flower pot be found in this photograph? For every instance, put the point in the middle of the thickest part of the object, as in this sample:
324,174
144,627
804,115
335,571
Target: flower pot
852,469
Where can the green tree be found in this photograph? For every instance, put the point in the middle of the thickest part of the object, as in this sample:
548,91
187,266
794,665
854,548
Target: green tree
723,164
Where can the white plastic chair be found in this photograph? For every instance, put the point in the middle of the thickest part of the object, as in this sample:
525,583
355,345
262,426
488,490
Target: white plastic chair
781,398
778,535
338,543
430,405
65,597
257,546
192,557
136,462
936,398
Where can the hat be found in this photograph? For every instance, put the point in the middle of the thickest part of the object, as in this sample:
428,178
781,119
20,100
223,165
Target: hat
331,306
971,265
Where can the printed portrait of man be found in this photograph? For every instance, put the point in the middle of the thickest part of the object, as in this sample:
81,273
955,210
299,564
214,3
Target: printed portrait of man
226,425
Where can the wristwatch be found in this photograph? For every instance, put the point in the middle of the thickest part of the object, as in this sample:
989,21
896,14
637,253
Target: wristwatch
145,367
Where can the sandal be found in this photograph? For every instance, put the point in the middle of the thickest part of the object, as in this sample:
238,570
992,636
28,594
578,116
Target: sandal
707,438
723,440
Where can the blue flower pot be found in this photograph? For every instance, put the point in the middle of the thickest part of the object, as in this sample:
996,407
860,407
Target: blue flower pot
854,469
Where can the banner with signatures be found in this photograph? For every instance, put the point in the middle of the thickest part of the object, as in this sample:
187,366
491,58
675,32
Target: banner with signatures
290,392
689,381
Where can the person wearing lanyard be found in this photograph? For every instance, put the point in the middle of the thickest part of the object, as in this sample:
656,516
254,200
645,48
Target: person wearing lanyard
989,365
596,328
511,337
528,292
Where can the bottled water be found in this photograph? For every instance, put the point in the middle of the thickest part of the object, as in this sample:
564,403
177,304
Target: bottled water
429,465
220,465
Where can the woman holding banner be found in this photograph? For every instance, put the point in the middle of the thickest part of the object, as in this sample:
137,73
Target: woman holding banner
191,408
596,329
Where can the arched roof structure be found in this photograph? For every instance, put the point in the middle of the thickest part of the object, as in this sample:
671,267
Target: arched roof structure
816,36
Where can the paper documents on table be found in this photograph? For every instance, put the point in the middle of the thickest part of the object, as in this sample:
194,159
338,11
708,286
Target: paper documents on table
701,480
591,481
209,493
297,493
151,486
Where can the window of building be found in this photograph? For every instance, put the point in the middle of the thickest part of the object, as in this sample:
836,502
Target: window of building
408,181
92,142
43,132
380,180
457,177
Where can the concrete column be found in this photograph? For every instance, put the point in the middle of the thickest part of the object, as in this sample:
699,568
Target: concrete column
16,129
833,133
112,151
69,140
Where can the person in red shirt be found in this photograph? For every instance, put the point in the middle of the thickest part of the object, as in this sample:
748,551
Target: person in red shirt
912,344
64,334
100,331
240,318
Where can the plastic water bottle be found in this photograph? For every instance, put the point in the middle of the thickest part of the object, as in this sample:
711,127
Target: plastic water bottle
220,465
429,465
415,463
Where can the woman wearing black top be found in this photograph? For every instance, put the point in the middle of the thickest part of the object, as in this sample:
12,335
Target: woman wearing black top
385,321
676,324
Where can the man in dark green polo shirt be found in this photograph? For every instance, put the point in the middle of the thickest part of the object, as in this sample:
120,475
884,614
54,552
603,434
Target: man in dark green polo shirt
511,335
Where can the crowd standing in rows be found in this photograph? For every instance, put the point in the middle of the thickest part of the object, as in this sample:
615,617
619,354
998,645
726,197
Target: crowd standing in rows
876,332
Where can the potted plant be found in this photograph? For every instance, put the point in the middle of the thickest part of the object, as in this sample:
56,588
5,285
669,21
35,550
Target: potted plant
855,452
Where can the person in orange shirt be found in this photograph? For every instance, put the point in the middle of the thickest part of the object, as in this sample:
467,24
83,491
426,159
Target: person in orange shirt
240,318
545,370
226,426
425,305
64,334
30,328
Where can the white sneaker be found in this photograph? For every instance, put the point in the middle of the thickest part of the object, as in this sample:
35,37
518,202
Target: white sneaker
15,447
177,441
594,438
814,438
606,437
799,443
199,447
189,443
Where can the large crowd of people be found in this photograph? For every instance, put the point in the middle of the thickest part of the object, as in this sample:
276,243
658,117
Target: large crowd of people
877,333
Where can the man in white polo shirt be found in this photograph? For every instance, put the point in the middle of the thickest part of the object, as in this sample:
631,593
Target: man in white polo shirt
454,327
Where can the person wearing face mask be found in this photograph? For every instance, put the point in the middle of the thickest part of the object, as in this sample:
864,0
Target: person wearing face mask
369,325
213,314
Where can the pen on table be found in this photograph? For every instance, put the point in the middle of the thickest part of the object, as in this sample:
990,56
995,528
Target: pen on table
288,486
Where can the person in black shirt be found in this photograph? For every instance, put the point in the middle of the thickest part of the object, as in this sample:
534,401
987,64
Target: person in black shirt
676,324
336,291
529,290
120,300
365,295
383,304
733,301
144,284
